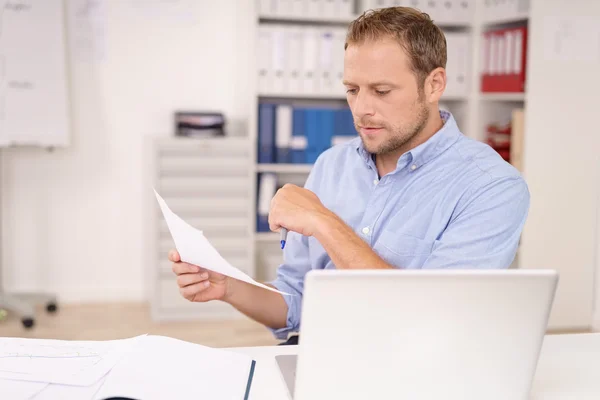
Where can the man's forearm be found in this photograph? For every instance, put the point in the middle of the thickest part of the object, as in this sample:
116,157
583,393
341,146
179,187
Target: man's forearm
264,306
344,247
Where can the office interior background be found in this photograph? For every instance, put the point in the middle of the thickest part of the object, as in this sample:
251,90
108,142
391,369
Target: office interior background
106,99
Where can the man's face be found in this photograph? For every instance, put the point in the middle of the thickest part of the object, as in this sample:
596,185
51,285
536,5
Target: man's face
388,107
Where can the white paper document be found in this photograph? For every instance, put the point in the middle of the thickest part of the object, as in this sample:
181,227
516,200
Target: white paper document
80,363
19,390
166,368
194,248
55,391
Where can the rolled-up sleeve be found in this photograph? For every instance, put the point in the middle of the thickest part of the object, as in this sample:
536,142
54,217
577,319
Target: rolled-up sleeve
290,279
486,230
296,264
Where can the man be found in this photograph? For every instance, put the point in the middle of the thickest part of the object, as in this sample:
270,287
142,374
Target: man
410,192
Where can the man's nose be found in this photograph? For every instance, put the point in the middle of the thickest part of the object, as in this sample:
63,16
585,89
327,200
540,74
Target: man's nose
363,105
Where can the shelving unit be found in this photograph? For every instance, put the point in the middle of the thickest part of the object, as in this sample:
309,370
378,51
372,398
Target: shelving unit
503,96
267,251
285,168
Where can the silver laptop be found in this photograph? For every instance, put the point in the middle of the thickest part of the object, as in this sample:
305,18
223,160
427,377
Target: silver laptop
420,334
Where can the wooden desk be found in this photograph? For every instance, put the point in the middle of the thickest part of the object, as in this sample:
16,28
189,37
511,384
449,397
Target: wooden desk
568,369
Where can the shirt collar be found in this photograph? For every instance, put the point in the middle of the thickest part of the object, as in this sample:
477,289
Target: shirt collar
425,152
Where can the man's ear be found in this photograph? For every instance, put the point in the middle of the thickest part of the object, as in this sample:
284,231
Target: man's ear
435,84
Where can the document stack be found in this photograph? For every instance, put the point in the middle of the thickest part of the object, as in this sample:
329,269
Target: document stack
500,11
504,60
144,367
458,63
316,9
299,60
292,134
443,12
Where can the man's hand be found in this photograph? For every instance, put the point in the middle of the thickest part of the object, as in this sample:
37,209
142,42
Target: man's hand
296,209
198,284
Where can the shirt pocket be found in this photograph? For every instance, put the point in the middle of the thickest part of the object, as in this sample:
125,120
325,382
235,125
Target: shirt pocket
403,251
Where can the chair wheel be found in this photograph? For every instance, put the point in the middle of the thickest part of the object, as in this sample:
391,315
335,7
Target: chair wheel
51,307
28,322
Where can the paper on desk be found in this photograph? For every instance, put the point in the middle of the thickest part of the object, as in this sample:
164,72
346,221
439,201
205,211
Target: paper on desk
55,391
79,363
19,390
194,248
167,368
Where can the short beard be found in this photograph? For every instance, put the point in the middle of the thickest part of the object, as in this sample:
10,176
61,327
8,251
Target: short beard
401,135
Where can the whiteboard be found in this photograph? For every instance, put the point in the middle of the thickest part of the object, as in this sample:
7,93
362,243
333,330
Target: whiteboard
33,74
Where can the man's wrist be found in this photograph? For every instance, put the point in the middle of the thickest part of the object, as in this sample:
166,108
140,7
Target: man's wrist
230,284
324,223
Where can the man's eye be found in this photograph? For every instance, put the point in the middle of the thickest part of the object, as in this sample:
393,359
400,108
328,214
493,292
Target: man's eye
382,92
351,91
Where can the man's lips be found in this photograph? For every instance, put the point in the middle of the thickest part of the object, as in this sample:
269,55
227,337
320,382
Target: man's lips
370,129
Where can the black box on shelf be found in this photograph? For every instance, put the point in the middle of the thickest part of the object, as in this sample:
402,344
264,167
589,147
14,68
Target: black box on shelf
199,124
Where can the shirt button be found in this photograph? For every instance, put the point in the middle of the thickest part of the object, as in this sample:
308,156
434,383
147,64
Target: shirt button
375,182
365,230
413,167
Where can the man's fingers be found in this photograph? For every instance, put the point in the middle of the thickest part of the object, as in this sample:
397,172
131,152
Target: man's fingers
190,279
174,256
190,291
185,268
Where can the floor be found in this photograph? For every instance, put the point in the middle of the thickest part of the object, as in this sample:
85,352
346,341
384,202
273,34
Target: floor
115,321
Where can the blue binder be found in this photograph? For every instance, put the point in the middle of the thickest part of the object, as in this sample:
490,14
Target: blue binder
266,133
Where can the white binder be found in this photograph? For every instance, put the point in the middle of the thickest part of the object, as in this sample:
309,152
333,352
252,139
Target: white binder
310,53
329,8
344,9
283,7
315,8
264,59
299,7
294,56
283,127
325,66
278,57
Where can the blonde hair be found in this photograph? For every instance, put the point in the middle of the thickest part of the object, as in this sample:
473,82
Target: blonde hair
422,40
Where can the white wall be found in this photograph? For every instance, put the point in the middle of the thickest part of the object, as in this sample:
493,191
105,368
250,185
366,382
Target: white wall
561,154
72,218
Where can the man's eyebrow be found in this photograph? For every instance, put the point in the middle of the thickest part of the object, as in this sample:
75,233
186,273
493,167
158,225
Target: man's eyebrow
372,84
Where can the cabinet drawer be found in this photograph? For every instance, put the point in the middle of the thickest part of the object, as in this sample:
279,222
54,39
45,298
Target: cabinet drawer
205,148
207,207
205,186
215,165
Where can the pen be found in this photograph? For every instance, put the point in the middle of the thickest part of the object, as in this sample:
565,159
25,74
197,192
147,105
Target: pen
283,237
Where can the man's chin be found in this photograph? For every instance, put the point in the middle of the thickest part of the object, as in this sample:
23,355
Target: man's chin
370,144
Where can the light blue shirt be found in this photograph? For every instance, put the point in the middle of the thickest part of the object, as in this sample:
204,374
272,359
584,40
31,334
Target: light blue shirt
452,202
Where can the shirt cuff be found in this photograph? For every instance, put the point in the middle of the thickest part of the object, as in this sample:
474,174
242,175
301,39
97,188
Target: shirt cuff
294,303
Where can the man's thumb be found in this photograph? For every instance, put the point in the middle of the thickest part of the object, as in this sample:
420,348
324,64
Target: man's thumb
174,256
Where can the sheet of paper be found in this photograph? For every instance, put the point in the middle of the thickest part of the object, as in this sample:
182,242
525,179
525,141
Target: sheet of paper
194,248
69,392
19,390
65,362
166,368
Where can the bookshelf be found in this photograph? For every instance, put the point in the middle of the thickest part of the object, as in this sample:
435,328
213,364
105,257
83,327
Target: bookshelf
267,251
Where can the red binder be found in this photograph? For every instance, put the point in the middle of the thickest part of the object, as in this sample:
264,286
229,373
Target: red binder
505,60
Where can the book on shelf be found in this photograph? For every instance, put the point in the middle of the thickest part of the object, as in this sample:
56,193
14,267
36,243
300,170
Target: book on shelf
504,60
298,134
